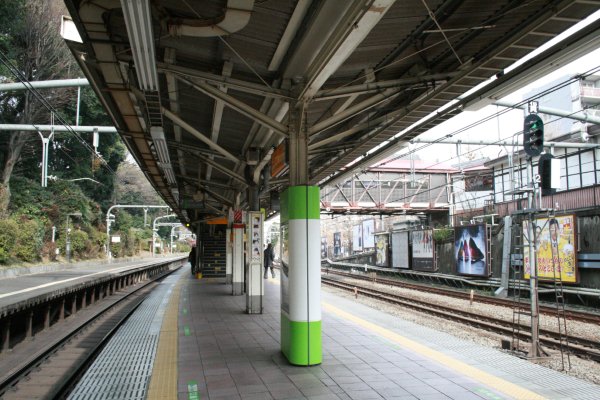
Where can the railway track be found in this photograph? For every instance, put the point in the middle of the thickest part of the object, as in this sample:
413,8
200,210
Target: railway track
51,372
578,346
547,310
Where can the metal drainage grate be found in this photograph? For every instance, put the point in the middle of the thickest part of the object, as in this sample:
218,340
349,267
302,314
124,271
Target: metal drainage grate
123,368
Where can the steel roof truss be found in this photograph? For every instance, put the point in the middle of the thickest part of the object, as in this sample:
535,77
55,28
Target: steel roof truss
239,106
228,82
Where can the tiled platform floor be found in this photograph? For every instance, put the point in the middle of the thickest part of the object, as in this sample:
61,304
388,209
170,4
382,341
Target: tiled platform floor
227,354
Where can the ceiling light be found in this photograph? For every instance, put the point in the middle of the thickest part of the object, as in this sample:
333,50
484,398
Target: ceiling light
139,29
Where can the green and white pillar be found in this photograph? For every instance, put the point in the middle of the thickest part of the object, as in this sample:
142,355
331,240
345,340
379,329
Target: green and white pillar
300,252
301,275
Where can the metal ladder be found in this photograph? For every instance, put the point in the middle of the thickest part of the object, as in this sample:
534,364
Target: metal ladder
520,307
560,314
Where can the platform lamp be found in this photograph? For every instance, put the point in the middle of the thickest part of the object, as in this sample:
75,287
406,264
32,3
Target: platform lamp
68,241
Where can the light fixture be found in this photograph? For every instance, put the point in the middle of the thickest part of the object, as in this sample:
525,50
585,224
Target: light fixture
168,170
160,144
139,29
162,152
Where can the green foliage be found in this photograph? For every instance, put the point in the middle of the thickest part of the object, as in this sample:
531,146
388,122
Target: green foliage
442,234
8,227
79,243
51,205
28,240
29,37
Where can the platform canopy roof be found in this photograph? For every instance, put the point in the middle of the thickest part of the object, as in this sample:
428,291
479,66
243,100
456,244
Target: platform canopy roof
201,90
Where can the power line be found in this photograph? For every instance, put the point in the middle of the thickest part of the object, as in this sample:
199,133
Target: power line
498,113
15,71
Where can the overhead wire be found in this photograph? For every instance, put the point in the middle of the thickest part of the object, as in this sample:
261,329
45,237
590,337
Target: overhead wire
494,115
39,97
430,189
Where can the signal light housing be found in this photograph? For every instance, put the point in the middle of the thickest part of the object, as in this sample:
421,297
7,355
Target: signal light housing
549,170
533,135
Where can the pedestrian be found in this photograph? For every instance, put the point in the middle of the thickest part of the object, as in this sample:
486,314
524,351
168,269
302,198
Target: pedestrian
192,259
269,256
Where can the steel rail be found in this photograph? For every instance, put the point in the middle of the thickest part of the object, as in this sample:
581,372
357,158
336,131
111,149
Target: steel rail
12,379
578,346
571,314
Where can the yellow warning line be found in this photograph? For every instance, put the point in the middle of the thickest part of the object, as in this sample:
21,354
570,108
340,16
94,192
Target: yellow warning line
163,384
492,381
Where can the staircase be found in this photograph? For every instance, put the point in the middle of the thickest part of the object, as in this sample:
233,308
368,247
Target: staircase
212,261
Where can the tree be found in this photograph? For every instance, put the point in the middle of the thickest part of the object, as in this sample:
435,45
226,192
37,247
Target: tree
31,49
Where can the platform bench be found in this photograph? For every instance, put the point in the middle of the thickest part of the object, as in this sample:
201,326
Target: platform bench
588,260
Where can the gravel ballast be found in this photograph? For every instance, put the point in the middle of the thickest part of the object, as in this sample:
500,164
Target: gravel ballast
580,368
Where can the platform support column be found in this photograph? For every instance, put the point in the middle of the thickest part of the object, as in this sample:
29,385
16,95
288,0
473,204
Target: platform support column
254,277
61,312
228,255
29,329
47,317
237,273
301,276
300,252
6,335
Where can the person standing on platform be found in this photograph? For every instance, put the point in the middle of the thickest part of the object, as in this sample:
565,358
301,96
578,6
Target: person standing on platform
269,256
192,259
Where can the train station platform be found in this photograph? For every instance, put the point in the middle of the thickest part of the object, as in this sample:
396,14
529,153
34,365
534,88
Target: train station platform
209,348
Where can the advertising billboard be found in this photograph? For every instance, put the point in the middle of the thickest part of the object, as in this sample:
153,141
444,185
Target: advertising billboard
357,238
323,247
400,250
368,227
470,250
422,250
337,244
556,255
381,249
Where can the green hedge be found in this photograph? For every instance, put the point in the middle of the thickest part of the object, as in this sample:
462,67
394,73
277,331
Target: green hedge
20,238
8,227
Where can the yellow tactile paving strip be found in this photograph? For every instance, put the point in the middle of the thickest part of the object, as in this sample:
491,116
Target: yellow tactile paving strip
163,384
499,384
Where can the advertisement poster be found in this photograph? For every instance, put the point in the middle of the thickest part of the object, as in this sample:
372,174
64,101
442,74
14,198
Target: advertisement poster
337,244
357,238
368,227
381,250
323,248
470,250
556,253
422,250
256,235
400,250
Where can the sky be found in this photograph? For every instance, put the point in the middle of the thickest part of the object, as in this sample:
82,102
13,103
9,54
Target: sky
496,128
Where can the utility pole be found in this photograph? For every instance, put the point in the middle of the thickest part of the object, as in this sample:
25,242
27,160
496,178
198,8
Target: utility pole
109,220
154,229
533,143
533,278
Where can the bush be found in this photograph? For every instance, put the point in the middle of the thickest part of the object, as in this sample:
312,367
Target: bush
443,234
29,240
8,227
79,243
